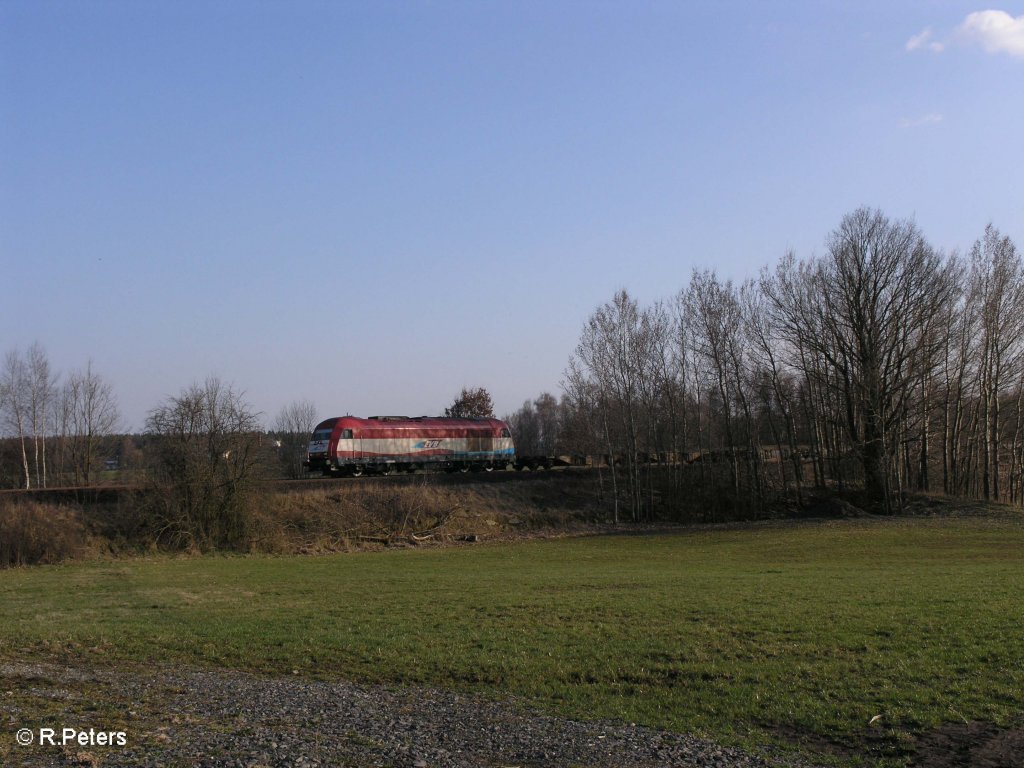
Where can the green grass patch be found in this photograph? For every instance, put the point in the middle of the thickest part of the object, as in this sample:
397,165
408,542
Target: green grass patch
793,633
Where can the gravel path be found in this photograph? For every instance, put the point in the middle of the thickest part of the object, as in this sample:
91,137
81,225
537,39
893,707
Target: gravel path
196,717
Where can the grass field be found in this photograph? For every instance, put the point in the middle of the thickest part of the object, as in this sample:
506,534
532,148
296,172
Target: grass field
794,633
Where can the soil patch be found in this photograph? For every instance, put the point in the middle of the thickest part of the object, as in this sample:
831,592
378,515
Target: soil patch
971,745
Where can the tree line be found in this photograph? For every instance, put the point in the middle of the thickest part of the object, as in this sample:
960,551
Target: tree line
62,430
879,367
58,428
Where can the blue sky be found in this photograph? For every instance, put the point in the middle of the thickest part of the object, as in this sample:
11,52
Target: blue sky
371,205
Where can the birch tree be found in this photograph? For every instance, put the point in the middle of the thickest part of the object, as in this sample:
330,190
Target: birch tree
89,417
997,277
606,358
41,387
16,388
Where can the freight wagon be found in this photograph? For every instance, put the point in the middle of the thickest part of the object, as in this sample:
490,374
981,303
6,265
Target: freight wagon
347,445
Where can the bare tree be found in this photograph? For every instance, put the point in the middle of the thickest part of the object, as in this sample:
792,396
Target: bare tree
294,426
670,366
42,384
778,388
957,321
880,289
89,417
471,404
587,419
791,308
608,357
715,316
202,462
651,339
997,278
525,428
537,426
549,421
15,384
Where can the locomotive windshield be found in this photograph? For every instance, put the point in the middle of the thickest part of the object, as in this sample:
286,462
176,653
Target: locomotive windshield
321,435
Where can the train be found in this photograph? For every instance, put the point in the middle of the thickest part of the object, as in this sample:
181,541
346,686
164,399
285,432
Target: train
380,445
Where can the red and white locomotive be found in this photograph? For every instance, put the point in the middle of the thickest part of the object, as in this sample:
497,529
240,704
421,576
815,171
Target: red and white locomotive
383,444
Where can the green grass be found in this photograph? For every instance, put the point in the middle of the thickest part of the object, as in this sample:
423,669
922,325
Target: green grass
796,633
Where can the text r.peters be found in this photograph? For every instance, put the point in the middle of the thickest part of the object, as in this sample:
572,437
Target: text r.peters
90,738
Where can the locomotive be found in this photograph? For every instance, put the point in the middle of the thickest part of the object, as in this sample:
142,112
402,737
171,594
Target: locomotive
348,445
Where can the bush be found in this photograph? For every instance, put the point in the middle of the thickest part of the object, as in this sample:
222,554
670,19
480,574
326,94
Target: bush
320,520
203,461
32,533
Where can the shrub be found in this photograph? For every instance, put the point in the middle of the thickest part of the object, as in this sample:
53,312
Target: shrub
32,533
319,520
204,457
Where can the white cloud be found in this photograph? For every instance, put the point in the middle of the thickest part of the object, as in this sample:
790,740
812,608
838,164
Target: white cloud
932,118
924,40
918,40
995,31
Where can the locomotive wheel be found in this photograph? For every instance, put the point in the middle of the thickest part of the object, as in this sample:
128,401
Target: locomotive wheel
386,469
357,471
464,468
489,468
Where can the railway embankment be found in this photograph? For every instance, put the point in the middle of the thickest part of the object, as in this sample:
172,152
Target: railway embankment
426,510
314,516
311,516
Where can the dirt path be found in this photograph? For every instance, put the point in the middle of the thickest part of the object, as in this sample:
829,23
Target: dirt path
193,717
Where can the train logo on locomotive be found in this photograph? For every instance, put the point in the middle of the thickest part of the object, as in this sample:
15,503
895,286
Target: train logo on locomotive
428,444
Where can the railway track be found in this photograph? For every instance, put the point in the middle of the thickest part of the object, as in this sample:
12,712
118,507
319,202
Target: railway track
434,478
94,494
103,494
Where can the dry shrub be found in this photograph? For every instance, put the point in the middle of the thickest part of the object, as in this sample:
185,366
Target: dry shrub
122,525
356,514
405,510
32,533
350,515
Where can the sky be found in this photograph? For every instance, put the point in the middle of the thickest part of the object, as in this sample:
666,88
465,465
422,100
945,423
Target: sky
370,205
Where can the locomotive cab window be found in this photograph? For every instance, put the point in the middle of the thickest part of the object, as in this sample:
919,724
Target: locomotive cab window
321,434
506,433
346,434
